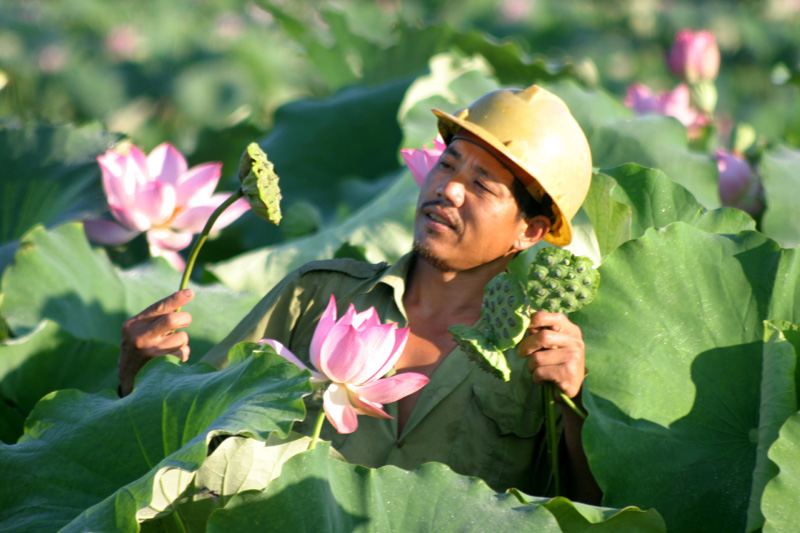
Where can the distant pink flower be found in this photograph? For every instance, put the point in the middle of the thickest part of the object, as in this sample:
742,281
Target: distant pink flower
421,161
157,194
354,353
642,100
694,56
739,186
675,103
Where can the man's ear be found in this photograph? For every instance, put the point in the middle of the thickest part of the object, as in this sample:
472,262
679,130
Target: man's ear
533,231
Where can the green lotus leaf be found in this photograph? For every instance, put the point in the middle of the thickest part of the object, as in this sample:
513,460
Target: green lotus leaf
778,403
50,358
88,462
781,493
781,219
315,493
238,464
49,176
57,278
674,391
626,200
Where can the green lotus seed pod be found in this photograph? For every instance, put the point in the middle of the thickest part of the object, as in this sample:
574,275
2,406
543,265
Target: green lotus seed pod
549,293
507,307
540,273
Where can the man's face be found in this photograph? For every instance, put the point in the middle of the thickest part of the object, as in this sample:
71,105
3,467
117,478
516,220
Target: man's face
466,215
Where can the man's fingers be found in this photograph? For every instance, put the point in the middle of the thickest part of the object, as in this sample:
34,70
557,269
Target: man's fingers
174,344
546,339
168,304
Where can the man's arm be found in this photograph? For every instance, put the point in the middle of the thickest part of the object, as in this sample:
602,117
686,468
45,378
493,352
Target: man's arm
555,352
153,333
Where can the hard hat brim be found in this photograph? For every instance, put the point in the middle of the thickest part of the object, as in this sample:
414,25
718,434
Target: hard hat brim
560,233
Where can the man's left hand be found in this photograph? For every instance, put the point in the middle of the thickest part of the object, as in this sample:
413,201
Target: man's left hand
555,349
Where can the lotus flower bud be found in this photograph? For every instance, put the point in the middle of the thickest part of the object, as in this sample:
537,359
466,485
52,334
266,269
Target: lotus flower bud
704,96
694,56
739,186
259,184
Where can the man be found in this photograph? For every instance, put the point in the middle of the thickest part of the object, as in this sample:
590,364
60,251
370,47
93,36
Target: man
516,169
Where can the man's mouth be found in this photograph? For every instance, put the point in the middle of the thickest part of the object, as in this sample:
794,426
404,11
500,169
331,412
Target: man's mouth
437,218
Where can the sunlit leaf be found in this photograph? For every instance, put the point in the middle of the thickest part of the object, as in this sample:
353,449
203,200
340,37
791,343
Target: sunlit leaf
91,460
315,493
779,172
674,389
49,176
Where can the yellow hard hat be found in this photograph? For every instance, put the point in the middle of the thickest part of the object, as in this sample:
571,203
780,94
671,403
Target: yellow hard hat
536,136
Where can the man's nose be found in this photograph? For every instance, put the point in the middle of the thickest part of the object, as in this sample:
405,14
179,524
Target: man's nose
452,190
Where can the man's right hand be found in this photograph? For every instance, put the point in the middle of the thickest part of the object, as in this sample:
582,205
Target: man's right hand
153,333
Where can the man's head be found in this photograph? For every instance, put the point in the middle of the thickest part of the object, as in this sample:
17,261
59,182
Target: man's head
482,200
533,133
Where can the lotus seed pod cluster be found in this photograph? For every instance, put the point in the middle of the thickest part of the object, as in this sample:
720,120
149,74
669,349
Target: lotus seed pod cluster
557,281
259,184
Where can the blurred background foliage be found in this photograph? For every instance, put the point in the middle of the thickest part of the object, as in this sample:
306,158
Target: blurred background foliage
210,76
178,70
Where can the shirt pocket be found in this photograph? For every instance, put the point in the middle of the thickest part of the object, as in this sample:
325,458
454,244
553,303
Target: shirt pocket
522,417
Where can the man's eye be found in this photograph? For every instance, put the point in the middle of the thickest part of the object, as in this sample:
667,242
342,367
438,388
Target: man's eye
444,165
481,185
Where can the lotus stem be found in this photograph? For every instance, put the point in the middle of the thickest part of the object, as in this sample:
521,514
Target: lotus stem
552,437
317,429
569,403
203,236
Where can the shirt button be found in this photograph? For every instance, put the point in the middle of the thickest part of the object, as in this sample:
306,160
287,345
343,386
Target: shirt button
401,443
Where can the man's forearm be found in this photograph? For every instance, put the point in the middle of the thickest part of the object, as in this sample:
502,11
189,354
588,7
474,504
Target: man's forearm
580,483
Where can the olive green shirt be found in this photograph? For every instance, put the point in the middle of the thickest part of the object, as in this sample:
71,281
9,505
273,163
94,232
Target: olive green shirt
466,418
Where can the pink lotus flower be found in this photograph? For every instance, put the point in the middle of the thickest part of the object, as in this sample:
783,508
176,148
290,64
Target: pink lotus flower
694,56
675,103
421,161
739,186
159,195
354,353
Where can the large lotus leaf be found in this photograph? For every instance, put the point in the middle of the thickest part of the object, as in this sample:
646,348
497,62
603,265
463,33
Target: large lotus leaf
58,276
383,227
67,303
50,358
237,465
626,200
783,492
778,403
781,180
315,493
91,460
316,143
648,140
49,176
675,349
